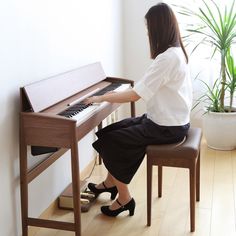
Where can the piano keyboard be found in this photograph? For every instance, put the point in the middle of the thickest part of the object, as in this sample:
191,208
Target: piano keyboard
80,111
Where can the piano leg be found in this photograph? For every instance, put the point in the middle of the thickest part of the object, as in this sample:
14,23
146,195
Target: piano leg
99,157
76,185
132,109
24,185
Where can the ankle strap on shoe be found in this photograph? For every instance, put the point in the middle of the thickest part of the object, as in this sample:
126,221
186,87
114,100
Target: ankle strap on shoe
103,183
119,202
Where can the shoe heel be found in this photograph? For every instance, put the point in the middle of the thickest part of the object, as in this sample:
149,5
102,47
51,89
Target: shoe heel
131,212
131,207
113,195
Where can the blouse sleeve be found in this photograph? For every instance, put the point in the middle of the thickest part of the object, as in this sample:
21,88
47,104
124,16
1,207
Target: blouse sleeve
154,78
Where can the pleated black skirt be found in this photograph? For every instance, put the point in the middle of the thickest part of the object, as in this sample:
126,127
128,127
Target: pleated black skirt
122,145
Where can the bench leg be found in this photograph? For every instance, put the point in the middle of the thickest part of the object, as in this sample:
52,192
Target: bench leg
198,179
149,193
159,181
192,181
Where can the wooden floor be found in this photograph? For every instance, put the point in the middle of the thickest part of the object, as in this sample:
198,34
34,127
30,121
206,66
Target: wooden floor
215,213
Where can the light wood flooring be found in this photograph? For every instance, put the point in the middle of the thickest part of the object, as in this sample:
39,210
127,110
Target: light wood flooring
215,213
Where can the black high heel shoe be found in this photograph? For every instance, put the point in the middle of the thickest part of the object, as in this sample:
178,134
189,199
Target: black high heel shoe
130,206
96,191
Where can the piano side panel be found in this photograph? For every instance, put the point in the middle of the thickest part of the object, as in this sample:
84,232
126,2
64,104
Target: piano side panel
48,131
48,92
24,102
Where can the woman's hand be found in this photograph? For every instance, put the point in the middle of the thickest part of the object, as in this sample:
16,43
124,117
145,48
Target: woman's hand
96,99
93,99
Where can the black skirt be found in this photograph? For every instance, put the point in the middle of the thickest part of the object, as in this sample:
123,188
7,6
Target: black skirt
122,145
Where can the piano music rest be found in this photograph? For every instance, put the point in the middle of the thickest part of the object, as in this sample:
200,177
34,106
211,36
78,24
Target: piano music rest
43,124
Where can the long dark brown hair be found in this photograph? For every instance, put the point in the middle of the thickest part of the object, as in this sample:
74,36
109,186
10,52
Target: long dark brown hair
163,30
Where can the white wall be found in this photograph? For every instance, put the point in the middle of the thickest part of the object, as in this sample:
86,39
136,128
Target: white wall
39,39
136,45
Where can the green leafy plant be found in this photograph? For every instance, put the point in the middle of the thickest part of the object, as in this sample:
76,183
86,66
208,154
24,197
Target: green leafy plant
217,28
212,97
231,83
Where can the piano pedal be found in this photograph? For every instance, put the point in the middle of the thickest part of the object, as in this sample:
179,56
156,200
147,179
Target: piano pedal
88,195
87,200
84,201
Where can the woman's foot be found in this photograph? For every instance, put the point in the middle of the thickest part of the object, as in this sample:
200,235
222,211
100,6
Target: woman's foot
97,189
117,207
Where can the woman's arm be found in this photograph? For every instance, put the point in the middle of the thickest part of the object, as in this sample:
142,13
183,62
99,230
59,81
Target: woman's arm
128,95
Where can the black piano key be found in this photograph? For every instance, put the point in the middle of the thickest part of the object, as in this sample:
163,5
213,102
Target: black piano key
109,88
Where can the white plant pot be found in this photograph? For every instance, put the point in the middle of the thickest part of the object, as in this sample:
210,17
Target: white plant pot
220,130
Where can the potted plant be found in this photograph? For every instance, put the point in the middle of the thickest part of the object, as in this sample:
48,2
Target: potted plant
217,28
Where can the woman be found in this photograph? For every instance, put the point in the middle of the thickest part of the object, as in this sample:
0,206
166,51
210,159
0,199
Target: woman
166,89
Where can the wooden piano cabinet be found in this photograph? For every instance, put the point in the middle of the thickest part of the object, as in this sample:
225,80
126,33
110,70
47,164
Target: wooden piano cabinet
40,125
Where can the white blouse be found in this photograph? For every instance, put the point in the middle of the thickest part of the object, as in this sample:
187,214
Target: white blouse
166,88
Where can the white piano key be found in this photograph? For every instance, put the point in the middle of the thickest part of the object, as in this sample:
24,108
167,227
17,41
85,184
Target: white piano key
85,114
91,110
121,88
